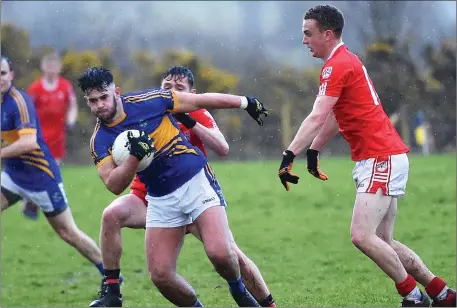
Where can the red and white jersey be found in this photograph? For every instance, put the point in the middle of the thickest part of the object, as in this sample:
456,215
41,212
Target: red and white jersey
361,119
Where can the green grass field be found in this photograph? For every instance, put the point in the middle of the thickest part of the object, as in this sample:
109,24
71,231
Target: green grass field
299,240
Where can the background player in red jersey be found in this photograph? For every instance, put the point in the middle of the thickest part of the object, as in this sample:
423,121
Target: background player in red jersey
57,111
347,101
130,210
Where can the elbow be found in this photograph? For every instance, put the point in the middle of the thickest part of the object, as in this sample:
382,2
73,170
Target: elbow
115,190
318,118
223,150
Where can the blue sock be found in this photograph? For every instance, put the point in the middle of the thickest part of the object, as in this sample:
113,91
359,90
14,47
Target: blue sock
237,286
197,304
100,268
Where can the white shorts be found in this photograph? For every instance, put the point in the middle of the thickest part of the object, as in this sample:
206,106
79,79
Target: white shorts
390,173
51,200
186,203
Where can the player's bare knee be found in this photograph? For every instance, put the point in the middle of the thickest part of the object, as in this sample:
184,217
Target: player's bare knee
220,255
359,237
69,234
111,217
161,275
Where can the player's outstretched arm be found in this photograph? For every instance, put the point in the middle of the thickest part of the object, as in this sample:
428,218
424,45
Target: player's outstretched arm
26,143
118,178
188,102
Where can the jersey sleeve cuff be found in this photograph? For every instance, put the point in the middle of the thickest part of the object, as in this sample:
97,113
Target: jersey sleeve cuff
27,131
175,101
103,161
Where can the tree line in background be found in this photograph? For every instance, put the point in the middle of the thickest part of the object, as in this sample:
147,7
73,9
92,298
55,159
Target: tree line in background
289,93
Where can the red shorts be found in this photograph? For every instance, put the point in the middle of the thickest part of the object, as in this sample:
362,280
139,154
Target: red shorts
137,189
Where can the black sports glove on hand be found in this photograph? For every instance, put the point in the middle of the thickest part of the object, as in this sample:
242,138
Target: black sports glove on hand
312,157
255,109
185,119
140,146
286,167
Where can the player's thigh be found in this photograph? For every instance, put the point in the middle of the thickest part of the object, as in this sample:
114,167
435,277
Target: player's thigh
386,228
127,210
206,204
11,192
162,246
63,223
369,211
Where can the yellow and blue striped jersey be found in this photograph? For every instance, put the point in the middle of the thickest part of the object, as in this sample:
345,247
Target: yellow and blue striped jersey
176,160
34,169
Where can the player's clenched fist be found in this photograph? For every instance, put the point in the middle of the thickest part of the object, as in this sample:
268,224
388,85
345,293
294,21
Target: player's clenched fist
285,169
140,146
313,165
255,108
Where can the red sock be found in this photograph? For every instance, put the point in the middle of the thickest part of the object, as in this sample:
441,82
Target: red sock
435,286
405,287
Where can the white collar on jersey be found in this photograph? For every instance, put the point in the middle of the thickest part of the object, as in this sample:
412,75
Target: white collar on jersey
334,50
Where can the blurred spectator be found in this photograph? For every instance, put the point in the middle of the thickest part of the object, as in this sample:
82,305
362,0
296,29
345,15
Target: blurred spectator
57,111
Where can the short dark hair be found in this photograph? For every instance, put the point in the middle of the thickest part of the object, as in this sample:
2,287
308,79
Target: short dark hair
328,17
95,78
7,61
180,72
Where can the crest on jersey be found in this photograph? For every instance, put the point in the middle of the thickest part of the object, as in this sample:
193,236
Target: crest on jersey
381,167
327,72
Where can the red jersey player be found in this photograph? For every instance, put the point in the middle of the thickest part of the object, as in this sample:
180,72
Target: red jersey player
57,110
347,101
130,210
56,106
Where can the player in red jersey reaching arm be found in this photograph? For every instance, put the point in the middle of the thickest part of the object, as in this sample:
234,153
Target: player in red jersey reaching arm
347,101
130,210
57,111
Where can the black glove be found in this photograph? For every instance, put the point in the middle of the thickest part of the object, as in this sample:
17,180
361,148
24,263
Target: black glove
312,157
140,146
286,167
185,119
255,109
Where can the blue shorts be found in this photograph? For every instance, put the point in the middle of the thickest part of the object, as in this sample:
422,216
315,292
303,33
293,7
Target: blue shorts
51,199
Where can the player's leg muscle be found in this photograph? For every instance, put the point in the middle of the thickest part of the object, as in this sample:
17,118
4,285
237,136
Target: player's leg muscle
369,211
410,260
250,274
125,211
65,226
213,227
162,249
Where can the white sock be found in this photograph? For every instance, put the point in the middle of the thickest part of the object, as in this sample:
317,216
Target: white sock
414,295
443,294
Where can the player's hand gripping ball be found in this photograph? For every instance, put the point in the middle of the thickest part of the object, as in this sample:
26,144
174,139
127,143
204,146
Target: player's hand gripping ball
136,143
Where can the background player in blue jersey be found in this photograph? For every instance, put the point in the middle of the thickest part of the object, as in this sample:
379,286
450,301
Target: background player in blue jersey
130,211
182,187
30,172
